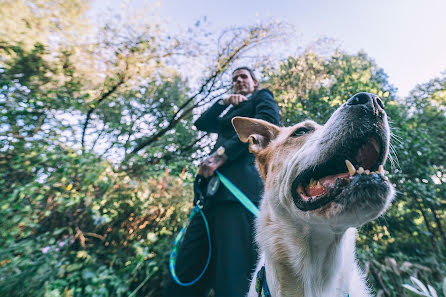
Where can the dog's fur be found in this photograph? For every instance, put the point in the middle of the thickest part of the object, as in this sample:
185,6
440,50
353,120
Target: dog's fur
310,252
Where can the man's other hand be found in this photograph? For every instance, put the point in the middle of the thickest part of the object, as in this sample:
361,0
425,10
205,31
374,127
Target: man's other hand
211,164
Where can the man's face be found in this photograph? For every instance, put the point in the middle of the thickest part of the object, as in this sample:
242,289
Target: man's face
242,82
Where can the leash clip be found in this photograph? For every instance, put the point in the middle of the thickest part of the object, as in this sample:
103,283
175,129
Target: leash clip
200,203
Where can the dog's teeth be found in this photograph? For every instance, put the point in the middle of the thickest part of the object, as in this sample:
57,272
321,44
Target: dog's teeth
350,167
312,183
381,170
318,185
360,170
367,171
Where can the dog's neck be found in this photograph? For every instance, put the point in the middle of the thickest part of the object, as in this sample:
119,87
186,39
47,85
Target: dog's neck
322,259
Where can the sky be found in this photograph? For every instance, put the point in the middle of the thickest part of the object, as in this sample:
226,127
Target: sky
407,38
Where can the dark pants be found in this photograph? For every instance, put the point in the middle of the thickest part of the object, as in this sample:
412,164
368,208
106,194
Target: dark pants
233,253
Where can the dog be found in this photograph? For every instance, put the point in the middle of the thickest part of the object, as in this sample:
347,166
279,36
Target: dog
321,182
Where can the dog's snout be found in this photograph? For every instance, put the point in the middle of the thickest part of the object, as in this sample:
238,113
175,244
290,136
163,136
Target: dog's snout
360,98
367,99
379,102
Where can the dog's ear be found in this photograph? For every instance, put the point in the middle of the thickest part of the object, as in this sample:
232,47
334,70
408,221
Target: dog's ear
258,133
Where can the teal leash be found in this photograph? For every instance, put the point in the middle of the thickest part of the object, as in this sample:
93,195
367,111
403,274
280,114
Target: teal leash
179,239
244,200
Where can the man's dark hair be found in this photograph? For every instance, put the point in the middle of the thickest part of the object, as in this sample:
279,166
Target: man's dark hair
251,72
253,76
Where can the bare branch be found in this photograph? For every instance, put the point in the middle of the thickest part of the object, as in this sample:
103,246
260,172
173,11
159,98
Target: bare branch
170,154
95,105
226,56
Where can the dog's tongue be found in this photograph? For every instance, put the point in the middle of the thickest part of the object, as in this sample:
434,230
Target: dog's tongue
324,184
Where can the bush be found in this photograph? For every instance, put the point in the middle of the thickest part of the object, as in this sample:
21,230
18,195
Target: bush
85,229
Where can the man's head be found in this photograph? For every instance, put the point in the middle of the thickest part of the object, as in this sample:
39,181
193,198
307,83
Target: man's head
244,81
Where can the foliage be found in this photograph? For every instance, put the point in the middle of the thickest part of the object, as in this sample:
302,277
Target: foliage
97,147
420,289
48,22
310,86
85,229
412,231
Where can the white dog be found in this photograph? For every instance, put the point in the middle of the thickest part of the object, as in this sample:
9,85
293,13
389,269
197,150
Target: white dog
320,183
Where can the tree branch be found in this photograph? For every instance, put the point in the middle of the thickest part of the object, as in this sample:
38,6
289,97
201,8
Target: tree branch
170,154
225,57
93,108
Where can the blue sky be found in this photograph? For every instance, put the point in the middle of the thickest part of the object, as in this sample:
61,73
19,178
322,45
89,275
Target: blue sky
407,38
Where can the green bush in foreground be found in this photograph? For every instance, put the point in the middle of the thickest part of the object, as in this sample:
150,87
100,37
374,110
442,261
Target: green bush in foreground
86,230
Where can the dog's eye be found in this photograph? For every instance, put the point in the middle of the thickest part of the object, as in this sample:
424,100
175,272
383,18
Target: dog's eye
300,131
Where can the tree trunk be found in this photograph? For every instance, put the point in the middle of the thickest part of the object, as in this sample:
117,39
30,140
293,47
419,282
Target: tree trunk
440,227
428,225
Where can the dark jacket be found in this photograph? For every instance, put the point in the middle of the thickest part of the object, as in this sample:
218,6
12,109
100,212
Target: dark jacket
240,165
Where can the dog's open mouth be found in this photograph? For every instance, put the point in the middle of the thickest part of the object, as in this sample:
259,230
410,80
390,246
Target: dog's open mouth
317,186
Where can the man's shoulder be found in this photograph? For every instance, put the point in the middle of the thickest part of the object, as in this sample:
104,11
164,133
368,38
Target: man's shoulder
264,91
263,94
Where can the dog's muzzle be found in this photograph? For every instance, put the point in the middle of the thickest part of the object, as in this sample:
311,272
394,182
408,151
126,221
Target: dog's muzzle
355,144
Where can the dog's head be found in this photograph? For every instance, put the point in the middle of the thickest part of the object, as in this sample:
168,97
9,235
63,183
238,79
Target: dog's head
325,174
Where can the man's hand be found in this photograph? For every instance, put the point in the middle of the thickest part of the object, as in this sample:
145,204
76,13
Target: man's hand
210,164
234,99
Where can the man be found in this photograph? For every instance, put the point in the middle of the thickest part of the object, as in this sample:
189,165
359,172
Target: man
231,225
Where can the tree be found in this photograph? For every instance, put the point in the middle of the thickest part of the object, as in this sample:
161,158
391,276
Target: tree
54,23
96,138
313,86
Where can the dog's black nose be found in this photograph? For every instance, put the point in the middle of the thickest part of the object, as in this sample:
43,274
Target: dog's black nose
364,98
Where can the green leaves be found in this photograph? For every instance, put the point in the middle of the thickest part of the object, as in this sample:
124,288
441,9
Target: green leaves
104,235
311,86
420,289
97,147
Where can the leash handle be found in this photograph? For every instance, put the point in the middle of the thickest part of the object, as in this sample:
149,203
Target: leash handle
244,200
179,239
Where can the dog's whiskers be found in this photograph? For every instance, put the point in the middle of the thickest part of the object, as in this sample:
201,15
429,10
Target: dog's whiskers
396,138
393,158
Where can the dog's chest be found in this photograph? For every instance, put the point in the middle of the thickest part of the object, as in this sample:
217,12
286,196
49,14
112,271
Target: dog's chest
294,268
